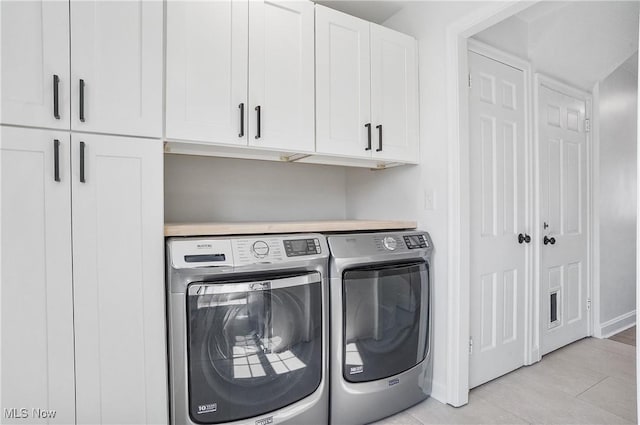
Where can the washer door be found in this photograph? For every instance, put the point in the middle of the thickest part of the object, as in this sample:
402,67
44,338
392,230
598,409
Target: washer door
386,320
253,347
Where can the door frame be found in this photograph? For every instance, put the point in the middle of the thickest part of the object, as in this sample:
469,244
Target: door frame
531,332
592,270
458,205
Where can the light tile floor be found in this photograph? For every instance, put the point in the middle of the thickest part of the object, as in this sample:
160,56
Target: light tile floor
592,381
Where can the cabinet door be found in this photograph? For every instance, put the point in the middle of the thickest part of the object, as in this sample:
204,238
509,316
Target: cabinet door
394,95
116,70
118,263
281,75
35,49
343,84
37,298
207,61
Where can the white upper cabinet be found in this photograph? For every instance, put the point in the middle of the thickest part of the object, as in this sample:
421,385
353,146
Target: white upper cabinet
367,89
207,44
35,63
116,67
37,292
118,263
343,80
394,95
241,72
281,75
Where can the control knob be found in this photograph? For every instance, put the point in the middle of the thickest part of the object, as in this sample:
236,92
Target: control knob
260,249
390,243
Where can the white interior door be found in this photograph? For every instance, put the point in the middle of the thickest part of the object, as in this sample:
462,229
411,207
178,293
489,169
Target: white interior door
121,370
343,84
394,95
207,65
35,49
37,291
281,75
117,52
498,203
563,201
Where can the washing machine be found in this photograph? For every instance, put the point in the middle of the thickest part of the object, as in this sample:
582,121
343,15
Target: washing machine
247,322
381,338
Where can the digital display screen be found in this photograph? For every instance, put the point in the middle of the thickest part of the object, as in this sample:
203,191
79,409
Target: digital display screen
415,240
299,245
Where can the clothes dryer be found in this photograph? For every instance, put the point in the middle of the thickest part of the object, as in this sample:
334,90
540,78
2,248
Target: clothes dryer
381,309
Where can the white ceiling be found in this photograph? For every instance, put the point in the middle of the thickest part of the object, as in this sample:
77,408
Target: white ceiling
376,11
580,42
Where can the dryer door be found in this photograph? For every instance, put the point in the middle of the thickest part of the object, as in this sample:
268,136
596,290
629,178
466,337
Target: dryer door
386,320
253,346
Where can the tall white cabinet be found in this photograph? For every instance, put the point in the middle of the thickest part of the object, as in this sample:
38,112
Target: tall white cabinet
104,285
241,73
37,293
118,279
366,89
83,324
35,63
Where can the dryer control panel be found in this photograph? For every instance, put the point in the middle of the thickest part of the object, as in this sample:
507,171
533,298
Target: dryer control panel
357,245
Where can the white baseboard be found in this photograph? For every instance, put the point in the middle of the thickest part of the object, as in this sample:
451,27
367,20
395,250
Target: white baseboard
439,392
615,325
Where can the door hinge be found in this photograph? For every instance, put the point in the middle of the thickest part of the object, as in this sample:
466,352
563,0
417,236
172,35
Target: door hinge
587,125
588,304
469,80
470,345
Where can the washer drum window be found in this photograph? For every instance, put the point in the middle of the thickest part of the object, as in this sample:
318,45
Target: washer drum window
253,347
386,315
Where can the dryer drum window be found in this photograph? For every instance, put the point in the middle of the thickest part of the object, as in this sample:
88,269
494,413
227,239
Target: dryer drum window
252,348
386,320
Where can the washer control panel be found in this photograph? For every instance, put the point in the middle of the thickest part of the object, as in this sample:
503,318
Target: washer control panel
243,251
298,247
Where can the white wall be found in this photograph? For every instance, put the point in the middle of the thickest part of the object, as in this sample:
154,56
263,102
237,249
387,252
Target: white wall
222,189
618,95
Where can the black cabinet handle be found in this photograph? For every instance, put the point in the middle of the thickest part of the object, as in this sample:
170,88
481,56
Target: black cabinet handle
81,100
368,126
379,127
56,160
82,179
241,106
524,238
258,122
547,240
56,107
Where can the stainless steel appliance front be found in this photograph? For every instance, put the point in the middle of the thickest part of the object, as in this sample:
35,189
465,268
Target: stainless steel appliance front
380,351
248,329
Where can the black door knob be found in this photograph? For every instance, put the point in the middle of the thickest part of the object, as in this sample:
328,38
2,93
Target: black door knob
548,240
524,238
